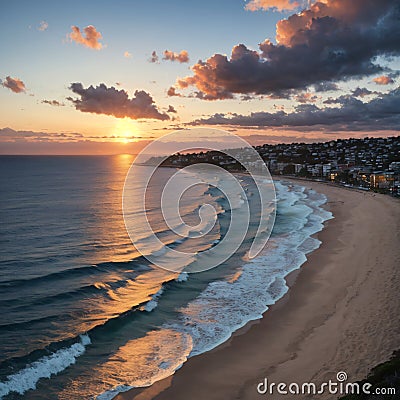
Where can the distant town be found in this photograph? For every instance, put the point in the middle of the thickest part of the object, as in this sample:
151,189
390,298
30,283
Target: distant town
367,164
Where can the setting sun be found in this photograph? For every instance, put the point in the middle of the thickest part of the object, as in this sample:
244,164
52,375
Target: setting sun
125,130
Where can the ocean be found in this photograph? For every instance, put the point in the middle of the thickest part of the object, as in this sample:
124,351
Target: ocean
83,315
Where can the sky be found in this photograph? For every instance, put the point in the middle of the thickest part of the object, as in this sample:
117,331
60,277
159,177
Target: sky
109,77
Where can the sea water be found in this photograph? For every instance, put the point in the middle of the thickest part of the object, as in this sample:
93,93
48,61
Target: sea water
84,315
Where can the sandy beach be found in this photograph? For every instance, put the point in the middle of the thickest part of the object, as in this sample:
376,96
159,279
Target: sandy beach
340,314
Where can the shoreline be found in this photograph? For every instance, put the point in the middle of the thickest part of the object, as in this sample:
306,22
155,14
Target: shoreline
324,323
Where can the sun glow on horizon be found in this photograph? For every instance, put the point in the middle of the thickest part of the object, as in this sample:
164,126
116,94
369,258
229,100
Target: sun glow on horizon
125,131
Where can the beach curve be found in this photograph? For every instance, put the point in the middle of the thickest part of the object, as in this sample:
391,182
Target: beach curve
339,315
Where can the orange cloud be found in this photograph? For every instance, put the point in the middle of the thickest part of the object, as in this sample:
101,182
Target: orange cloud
14,84
306,97
331,41
91,38
295,29
383,80
172,92
182,57
279,5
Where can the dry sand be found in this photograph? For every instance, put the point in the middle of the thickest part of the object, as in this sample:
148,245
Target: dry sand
340,314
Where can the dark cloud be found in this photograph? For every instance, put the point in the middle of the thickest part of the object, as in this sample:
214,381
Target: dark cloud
55,103
171,109
246,97
182,57
154,57
333,40
14,84
325,87
111,101
381,113
337,100
282,94
363,92
91,38
206,96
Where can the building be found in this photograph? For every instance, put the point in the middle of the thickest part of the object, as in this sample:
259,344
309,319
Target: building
394,166
382,180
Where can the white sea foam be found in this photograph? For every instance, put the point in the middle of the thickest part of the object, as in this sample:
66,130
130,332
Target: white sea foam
153,303
183,276
45,367
225,305
110,394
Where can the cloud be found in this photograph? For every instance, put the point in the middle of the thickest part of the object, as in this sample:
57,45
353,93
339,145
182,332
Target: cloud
127,54
30,142
246,97
332,100
11,135
338,100
111,101
306,97
91,38
363,92
14,84
383,80
334,40
171,109
43,26
55,103
350,114
172,92
325,87
276,5
154,57
168,55
182,57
